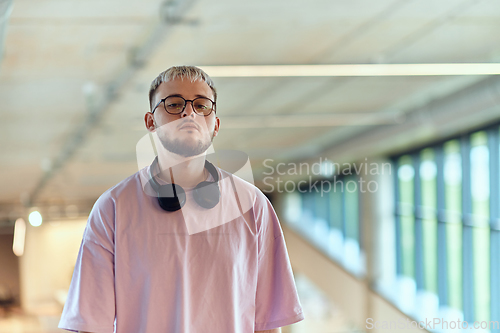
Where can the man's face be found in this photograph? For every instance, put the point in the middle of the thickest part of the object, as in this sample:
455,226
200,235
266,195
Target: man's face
186,134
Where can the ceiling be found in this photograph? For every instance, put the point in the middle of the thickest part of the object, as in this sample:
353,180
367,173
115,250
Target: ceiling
74,79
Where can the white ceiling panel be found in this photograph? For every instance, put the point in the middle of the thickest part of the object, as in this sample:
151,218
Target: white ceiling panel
70,90
92,9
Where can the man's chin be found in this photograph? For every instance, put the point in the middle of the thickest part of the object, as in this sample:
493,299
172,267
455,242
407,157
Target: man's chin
185,149
188,154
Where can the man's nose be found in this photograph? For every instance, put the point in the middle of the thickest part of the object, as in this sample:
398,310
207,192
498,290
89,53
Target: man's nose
188,110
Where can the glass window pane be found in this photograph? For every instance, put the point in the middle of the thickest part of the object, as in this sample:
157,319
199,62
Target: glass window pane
308,207
336,208
336,216
323,206
406,176
453,206
293,207
351,208
480,180
479,156
428,183
453,181
351,246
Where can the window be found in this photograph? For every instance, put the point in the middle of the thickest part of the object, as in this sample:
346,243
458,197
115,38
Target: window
452,218
406,217
447,216
330,219
427,218
480,195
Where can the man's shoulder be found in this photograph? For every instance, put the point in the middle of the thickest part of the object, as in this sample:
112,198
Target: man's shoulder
244,187
126,186
250,197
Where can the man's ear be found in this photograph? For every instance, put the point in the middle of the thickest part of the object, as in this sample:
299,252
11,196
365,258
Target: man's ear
217,126
149,121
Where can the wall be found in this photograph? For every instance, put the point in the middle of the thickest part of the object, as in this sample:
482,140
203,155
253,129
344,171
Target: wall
9,265
47,264
357,301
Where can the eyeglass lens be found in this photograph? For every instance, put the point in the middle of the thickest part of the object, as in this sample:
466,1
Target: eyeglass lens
175,105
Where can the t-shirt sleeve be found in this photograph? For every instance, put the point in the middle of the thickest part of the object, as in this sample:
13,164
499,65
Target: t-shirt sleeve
90,305
277,303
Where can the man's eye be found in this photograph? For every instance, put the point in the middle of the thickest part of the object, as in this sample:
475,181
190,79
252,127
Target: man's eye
174,106
201,107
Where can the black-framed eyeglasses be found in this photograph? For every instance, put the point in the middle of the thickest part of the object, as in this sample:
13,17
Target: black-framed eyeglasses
176,104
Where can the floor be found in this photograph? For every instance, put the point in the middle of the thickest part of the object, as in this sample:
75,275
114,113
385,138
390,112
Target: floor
322,316
16,322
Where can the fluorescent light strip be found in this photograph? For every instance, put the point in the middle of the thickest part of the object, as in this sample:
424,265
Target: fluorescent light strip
353,70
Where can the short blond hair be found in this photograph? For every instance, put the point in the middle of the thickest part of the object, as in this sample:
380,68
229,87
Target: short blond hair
191,73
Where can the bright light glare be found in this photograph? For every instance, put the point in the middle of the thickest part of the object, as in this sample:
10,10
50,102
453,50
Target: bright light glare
327,168
453,169
406,173
35,218
428,170
19,237
354,70
480,159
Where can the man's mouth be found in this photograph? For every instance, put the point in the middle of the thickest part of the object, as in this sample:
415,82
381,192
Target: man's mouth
189,126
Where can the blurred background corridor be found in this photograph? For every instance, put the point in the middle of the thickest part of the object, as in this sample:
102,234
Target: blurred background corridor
372,126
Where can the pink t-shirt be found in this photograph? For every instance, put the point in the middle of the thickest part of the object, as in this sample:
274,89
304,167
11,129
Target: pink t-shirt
143,270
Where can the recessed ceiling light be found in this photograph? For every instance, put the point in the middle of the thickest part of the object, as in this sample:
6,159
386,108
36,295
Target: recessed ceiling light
35,218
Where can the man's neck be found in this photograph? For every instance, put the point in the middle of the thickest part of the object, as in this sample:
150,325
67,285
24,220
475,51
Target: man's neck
186,171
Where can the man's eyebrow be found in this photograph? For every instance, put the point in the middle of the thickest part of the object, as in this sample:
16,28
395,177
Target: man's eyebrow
180,95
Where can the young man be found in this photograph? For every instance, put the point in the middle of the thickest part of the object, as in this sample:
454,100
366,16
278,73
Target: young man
204,255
